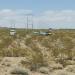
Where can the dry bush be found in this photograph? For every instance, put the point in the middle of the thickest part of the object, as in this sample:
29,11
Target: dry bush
19,71
37,60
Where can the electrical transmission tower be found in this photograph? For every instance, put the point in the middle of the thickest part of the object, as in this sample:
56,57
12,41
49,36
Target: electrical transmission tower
29,22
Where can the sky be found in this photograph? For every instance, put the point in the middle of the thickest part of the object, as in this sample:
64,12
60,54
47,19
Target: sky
42,13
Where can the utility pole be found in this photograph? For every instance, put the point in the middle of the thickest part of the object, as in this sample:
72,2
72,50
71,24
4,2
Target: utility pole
32,22
27,22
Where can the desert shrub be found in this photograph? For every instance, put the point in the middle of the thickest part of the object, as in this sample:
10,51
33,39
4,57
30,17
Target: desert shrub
63,46
6,52
15,52
1,58
5,42
68,45
19,71
28,41
21,32
26,63
37,60
70,68
18,52
43,70
46,43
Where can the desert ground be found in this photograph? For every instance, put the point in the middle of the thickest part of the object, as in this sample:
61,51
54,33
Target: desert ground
27,53
13,66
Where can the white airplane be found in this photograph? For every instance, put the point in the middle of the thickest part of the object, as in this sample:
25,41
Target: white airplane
42,33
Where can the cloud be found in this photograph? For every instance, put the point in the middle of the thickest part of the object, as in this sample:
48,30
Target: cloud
63,16
18,17
9,17
57,18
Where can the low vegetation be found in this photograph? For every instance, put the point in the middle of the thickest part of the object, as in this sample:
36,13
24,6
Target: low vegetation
40,50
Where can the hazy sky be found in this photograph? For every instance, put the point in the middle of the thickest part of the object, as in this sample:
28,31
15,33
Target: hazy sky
46,13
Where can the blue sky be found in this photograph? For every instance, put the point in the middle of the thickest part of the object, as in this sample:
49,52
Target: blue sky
43,8
38,5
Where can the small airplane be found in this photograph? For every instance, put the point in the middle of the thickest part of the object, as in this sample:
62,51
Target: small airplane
49,32
45,33
42,33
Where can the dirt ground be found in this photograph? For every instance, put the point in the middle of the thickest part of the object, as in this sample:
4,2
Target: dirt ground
7,64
